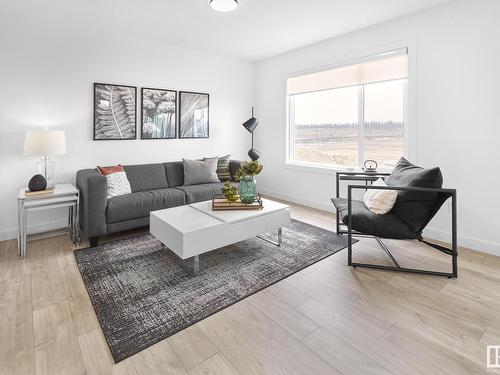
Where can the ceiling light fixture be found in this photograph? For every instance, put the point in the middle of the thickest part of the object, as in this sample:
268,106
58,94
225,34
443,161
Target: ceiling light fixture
223,5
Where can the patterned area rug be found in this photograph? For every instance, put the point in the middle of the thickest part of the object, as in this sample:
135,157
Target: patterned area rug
141,295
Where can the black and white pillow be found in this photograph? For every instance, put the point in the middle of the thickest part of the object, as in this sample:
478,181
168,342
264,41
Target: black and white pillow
117,180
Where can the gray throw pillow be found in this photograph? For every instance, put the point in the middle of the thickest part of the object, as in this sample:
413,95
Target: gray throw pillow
200,171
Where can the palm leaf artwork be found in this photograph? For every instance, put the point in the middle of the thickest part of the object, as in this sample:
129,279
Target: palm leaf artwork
194,115
158,113
114,112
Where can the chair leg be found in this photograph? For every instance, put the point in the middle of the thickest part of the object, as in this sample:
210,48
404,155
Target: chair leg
398,268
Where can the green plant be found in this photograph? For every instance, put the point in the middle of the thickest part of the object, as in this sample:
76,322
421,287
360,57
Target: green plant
248,168
230,192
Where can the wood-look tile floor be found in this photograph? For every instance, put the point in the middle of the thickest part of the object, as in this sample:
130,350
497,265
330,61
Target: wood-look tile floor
326,319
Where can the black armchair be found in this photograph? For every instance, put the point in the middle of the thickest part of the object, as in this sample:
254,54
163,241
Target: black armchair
405,221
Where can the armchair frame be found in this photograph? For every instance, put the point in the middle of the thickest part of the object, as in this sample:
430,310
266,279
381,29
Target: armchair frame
453,252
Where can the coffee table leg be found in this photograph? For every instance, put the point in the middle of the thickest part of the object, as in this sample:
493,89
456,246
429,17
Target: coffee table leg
196,265
190,265
275,243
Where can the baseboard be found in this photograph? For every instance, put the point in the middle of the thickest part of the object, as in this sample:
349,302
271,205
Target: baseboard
10,234
464,241
294,199
436,234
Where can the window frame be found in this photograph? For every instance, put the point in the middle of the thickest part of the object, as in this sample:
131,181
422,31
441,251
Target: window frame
409,142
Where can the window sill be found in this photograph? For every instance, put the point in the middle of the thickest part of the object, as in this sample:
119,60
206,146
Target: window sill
318,168
322,168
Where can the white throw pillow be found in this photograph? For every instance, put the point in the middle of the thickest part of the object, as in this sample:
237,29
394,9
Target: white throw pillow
380,201
118,184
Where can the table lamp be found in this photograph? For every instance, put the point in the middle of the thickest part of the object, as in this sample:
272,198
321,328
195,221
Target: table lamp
45,143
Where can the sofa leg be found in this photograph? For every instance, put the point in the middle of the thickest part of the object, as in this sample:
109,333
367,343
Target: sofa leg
93,241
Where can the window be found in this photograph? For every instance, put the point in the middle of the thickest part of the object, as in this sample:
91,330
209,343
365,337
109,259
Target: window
341,117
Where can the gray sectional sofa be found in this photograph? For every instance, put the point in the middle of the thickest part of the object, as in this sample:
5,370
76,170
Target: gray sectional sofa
154,187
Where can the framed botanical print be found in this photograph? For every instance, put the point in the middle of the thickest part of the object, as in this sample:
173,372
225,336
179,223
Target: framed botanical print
193,115
114,112
159,113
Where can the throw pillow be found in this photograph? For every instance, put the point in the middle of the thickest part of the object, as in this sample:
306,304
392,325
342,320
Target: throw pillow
117,180
380,201
415,207
200,171
223,168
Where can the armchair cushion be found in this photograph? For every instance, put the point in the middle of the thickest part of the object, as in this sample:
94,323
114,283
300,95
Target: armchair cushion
415,207
365,221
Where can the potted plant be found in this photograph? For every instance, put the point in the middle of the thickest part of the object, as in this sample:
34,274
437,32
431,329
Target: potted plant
248,186
230,192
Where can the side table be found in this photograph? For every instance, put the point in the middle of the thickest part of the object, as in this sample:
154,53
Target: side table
64,195
367,177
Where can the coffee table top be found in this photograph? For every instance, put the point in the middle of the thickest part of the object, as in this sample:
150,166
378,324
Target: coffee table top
199,215
239,215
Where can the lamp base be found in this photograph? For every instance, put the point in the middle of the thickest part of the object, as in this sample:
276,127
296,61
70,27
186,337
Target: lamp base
45,166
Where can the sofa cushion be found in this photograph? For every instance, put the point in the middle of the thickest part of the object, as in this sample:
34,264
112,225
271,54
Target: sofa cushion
140,204
146,176
203,192
414,207
175,173
365,221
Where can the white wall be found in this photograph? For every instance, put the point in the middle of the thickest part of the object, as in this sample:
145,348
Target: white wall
455,108
46,78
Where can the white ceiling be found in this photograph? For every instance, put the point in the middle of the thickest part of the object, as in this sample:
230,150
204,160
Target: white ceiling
257,29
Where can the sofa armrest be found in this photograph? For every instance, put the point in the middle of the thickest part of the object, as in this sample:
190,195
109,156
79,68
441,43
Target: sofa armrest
234,165
93,201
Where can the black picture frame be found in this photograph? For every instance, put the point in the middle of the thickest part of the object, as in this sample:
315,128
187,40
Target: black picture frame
187,96
127,103
175,112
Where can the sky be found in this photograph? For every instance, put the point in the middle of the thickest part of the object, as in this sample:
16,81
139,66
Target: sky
383,102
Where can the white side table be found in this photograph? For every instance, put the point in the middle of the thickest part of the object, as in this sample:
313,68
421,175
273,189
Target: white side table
64,195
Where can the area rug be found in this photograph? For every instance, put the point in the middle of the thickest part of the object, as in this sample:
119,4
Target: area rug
141,295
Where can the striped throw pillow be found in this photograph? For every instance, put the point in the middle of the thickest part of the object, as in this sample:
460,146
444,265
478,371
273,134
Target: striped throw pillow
223,168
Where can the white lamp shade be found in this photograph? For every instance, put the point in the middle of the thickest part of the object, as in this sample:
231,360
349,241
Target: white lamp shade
44,143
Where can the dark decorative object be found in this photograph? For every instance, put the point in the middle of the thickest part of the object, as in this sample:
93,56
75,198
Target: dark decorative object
420,196
114,112
370,166
159,112
141,295
194,115
250,125
37,183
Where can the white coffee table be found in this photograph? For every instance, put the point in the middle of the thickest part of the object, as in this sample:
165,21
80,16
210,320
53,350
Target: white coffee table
194,229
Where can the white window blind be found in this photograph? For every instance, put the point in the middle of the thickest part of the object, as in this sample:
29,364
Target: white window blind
383,67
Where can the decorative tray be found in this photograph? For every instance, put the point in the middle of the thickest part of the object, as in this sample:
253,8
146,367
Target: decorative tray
220,203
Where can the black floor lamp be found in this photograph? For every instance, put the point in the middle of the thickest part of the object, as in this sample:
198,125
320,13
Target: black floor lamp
250,125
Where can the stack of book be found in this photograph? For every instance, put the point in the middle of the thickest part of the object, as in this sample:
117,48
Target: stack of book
47,191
